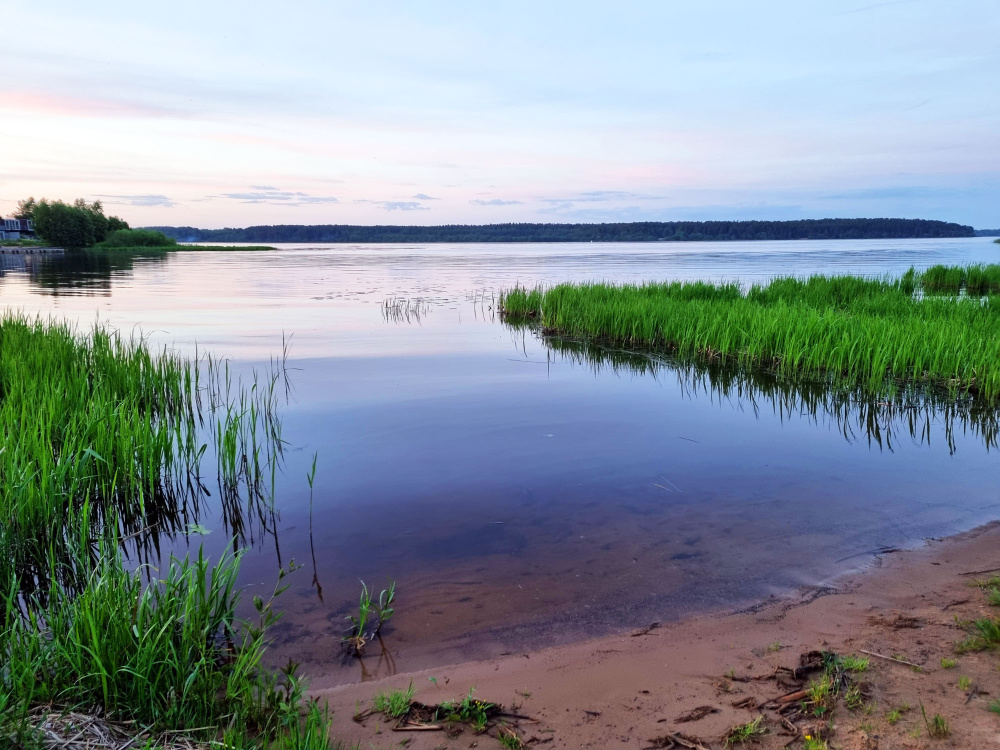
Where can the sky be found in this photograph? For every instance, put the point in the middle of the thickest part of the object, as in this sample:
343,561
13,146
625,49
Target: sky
215,114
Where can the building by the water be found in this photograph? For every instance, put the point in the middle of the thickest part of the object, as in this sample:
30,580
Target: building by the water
17,229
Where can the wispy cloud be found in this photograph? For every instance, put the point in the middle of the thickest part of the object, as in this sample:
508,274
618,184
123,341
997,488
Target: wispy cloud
66,104
138,200
425,197
494,202
395,205
596,196
272,195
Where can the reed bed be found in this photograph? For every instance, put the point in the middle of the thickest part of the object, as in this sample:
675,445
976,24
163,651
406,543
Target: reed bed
876,333
976,280
101,449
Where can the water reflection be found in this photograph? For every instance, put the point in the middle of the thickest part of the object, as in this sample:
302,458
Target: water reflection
913,413
84,273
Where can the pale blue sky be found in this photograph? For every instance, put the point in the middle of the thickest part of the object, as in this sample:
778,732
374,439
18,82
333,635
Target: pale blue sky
215,114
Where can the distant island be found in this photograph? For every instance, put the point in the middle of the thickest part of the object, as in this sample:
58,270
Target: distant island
640,231
643,231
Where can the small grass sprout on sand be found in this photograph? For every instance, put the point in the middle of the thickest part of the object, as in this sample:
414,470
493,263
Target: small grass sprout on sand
820,695
994,706
947,663
894,716
854,663
395,703
469,710
741,734
964,683
853,698
985,635
937,728
813,743
774,647
509,738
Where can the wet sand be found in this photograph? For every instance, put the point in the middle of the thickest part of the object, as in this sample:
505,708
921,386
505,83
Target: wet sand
624,690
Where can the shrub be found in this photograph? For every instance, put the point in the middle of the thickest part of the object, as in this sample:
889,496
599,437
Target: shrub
138,238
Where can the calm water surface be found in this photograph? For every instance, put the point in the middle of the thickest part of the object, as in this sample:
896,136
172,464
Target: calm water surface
526,492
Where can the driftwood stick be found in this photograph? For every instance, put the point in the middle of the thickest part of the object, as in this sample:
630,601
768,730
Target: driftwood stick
788,697
890,658
979,572
418,728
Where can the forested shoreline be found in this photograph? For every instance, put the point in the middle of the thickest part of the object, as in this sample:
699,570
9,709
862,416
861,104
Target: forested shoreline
648,231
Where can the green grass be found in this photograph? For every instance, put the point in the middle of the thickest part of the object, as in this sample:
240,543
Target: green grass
854,663
23,243
875,333
985,634
947,663
937,728
132,238
100,439
395,703
469,710
942,279
976,280
369,612
741,734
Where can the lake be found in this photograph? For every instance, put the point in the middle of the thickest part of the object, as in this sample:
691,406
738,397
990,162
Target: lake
522,491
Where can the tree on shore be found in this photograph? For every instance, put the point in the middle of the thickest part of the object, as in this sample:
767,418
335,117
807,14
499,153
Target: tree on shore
73,226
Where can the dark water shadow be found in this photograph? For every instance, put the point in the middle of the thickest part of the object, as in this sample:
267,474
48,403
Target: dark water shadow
912,413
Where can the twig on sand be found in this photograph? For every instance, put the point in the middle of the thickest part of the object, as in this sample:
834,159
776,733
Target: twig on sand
797,695
979,572
646,630
890,658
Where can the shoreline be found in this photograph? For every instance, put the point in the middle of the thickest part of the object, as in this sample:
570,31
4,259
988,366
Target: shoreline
625,690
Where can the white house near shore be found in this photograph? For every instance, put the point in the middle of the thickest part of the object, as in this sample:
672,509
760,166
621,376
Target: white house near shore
16,229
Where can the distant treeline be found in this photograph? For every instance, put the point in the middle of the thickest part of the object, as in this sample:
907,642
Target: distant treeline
641,231
988,233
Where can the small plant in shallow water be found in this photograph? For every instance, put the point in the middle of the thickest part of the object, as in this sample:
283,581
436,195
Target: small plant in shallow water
368,612
741,734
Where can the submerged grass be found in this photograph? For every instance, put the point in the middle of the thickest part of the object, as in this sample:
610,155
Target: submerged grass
100,451
875,333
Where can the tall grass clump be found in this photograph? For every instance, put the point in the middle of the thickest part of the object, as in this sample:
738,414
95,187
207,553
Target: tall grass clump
982,280
874,333
943,279
137,238
976,280
97,433
100,452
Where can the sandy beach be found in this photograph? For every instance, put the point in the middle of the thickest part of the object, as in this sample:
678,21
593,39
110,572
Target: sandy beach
632,690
